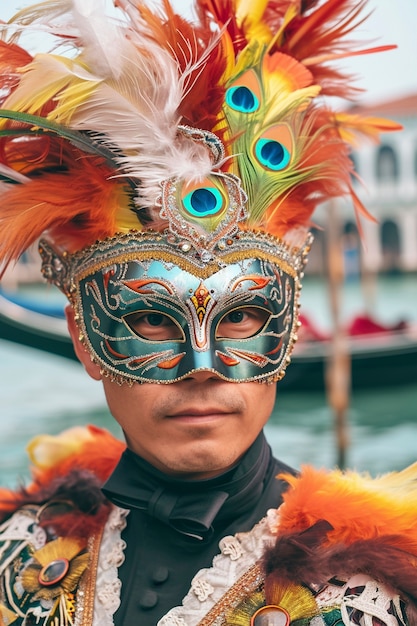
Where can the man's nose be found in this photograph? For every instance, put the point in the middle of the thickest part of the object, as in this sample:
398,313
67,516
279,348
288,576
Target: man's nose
203,366
203,375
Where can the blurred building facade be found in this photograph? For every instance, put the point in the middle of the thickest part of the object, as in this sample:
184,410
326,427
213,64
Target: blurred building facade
387,185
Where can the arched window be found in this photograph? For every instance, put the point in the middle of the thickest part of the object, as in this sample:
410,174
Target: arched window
386,164
391,245
351,250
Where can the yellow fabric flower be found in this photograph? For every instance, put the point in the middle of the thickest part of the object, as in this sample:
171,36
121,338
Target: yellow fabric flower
55,569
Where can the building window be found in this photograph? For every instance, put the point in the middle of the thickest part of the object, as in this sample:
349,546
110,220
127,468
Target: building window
386,165
351,251
391,246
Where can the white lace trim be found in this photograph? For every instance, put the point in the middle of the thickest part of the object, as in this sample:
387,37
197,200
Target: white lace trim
237,554
20,527
374,602
111,556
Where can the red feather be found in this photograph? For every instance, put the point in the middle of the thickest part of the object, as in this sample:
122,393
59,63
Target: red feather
323,34
12,57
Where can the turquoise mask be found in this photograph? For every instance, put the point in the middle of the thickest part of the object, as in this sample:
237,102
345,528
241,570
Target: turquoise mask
151,314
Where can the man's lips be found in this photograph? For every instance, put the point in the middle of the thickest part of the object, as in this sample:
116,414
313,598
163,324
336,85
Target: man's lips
199,412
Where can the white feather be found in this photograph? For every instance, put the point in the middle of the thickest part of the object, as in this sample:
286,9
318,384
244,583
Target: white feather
136,91
48,17
138,114
8,172
103,39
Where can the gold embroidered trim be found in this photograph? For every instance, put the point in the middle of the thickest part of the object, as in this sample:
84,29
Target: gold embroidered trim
251,581
188,266
89,583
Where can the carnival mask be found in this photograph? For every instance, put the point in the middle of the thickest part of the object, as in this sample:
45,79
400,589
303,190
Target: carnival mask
155,315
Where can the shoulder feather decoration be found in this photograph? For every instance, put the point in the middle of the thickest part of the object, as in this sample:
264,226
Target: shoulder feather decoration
335,525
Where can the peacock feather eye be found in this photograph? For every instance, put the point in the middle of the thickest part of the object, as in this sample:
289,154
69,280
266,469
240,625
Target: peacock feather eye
244,95
203,202
273,150
242,99
272,154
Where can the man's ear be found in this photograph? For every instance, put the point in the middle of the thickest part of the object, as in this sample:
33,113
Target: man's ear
80,350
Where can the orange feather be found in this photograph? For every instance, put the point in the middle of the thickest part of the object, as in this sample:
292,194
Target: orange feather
98,454
337,525
73,197
356,506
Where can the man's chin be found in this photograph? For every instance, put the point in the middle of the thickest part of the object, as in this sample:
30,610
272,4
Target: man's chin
201,464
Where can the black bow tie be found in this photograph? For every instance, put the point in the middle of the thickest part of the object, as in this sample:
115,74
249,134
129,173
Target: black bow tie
189,507
183,512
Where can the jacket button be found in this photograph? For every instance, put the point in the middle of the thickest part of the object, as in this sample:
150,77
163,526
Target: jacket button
149,599
160,575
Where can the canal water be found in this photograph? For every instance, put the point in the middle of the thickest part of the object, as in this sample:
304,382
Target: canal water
41,393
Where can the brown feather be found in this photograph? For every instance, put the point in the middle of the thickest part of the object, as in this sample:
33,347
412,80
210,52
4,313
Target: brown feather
306,557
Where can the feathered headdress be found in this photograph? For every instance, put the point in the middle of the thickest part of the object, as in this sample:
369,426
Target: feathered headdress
146,121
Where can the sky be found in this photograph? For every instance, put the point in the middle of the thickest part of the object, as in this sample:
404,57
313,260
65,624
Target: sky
385,76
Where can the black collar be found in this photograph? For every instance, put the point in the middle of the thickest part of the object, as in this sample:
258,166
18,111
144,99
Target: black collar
190,507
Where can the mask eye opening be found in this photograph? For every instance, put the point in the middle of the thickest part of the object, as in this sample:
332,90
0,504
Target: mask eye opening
145,325
254,320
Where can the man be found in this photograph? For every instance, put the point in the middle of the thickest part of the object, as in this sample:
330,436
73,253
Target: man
172,174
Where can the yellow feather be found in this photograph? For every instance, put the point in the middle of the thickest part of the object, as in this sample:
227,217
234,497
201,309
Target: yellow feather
126,219
401,485
351,126
248,9
229,56
249,16
46,77
74,95
77,568
296,600
290,14
249,57
296,101
242,614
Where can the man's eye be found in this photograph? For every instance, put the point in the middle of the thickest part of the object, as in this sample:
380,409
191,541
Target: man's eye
235,317
155,319
242,323
154,326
